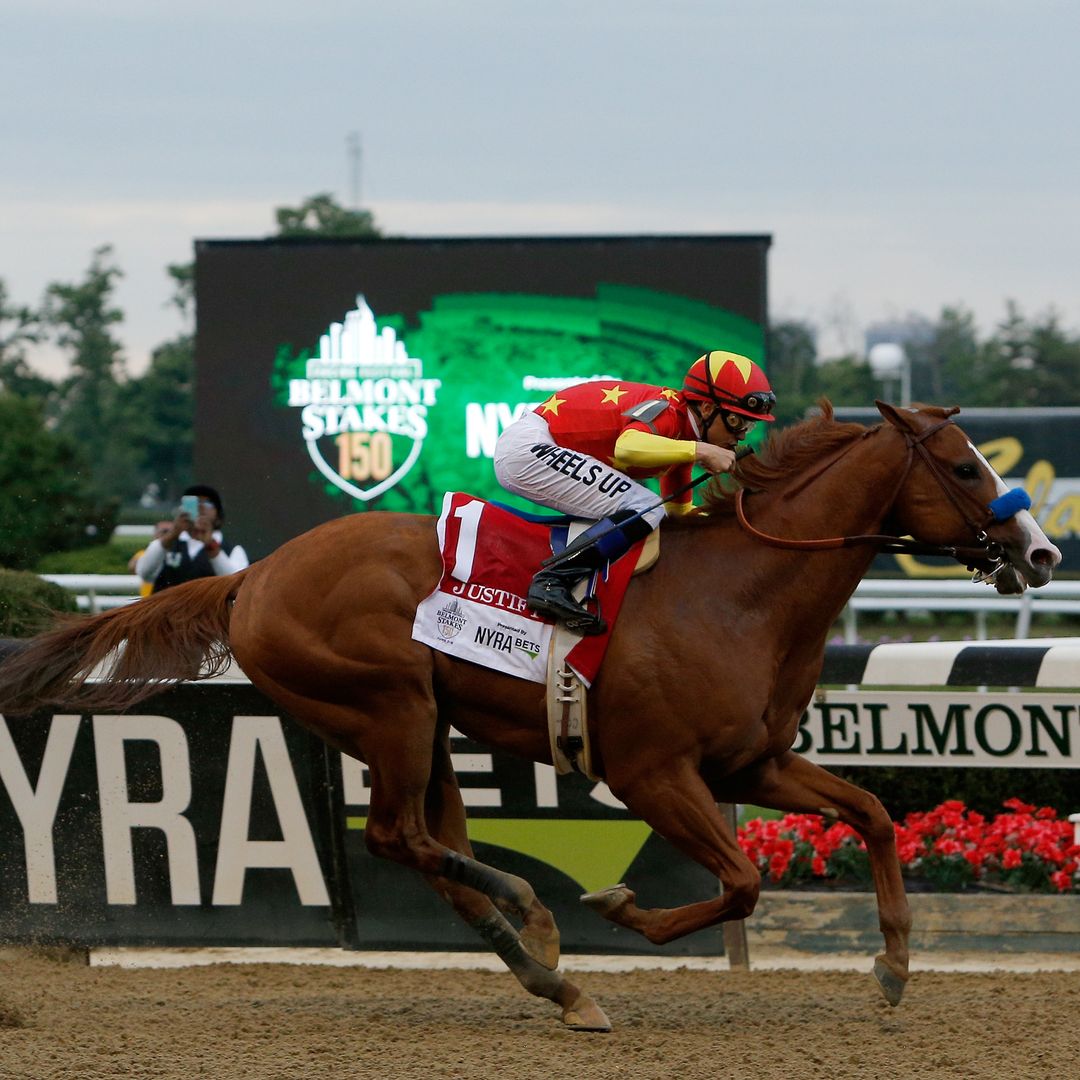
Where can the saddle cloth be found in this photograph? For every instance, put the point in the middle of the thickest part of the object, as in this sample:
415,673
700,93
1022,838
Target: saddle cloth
478,613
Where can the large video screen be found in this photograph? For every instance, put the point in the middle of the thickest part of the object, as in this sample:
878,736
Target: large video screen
339,377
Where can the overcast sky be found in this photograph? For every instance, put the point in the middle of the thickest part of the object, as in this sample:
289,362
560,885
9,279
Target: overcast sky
904,156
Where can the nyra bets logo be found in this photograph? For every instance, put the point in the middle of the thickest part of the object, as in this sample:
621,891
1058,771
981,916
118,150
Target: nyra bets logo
363,405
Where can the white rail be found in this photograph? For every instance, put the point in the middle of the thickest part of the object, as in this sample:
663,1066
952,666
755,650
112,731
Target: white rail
98,592
951,595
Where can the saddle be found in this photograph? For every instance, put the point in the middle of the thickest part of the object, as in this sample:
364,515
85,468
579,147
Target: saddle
477,612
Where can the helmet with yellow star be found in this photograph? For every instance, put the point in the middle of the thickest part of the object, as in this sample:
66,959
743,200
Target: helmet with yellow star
732,382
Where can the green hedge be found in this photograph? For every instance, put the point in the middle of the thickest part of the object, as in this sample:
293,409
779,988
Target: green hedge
28,604
904,791
110,558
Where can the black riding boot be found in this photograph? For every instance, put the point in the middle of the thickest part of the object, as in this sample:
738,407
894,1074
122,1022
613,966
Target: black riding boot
551,591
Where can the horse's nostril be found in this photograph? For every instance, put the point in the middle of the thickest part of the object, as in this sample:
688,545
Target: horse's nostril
1043,557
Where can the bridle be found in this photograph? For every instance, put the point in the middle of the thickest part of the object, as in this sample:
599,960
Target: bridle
977,516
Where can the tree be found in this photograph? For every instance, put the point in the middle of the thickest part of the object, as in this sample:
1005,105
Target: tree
1032,362
158,416
82,316
321,215
792,352
44,500
1056,358
19,327
847,380
943,367
183,297
799,378
157,408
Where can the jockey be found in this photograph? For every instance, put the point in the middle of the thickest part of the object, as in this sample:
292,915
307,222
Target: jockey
583,451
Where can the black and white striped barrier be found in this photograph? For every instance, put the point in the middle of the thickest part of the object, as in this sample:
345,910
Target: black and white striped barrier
1052,663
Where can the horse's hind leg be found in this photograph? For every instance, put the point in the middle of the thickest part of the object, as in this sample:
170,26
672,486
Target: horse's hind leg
792,784
446,821
394,734
399,753
397,830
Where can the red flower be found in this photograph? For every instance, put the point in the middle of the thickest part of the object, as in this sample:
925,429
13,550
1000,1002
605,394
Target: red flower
1020,836
1012,859
1061,880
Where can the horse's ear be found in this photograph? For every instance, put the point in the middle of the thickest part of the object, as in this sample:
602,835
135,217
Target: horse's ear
903,419
898,419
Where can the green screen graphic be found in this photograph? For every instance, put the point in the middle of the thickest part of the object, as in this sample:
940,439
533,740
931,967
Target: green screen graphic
393,415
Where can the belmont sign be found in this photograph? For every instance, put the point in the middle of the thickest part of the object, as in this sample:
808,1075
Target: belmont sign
366,395
924,728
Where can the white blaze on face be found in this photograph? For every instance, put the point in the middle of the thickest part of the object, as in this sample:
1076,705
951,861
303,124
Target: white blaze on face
1035,538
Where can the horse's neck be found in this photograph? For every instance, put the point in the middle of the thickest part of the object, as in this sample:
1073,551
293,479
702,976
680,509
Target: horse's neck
850,498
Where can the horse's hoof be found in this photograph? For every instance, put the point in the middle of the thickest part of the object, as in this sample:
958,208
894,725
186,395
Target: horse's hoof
543,949
606,901
890,981
585,1015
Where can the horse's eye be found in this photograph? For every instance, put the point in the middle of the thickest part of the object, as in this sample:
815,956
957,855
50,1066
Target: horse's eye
967,471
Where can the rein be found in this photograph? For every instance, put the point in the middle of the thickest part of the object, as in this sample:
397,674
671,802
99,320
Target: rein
986,551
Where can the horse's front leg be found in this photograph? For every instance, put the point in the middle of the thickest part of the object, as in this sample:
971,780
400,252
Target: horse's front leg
795,785
676,803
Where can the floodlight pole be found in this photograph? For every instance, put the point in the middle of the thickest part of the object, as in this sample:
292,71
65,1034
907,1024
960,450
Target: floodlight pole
355,160
889,361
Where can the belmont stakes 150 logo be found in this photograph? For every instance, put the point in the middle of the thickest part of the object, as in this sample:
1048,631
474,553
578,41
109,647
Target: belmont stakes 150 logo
363,404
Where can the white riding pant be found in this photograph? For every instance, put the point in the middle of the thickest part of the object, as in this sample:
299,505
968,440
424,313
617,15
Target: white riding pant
528,462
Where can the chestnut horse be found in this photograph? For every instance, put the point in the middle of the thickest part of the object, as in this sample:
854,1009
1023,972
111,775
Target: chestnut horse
716,653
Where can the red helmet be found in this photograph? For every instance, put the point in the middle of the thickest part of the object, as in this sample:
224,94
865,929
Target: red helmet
733,383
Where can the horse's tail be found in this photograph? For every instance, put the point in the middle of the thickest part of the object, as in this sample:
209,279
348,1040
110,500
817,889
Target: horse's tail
116,659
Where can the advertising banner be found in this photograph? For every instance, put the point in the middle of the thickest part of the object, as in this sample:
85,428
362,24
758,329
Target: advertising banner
564,835
336,377
202,820
211,819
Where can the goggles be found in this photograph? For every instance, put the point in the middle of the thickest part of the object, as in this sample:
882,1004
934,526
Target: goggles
738,424
758,402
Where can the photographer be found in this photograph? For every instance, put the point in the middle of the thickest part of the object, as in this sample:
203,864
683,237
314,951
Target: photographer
193,546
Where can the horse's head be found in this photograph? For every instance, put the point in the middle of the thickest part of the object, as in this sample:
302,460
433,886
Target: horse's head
947,494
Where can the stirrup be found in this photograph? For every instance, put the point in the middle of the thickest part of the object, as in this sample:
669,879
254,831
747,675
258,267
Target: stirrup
566,610
588,625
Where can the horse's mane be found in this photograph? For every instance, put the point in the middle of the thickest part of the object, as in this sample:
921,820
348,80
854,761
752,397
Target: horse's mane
787,453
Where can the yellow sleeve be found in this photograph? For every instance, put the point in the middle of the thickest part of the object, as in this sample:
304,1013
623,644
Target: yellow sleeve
677,509
674,479
643,450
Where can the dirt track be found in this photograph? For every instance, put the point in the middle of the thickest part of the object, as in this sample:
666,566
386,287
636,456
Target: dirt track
59,1021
